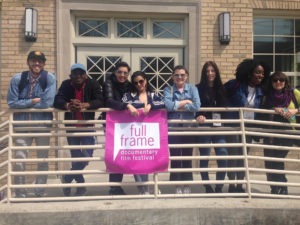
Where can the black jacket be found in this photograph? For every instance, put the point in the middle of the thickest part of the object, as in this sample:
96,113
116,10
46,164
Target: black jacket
92,94
113,92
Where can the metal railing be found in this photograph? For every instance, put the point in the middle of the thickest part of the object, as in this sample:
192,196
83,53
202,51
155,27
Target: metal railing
96,176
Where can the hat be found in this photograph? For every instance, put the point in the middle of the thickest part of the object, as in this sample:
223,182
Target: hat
78,66
36,55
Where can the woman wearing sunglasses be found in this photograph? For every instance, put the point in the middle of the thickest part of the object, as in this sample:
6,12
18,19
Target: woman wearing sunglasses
182,101
141,97
285,101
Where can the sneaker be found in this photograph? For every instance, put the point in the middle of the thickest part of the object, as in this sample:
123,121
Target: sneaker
40,194
178,190
81,191
66,190
116,191
20,195
186,190
208,189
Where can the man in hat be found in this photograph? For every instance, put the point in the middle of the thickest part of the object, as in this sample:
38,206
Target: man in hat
74,95
34,89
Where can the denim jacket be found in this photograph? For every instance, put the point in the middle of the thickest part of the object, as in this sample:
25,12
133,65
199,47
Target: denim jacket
17,100
237,96
172,96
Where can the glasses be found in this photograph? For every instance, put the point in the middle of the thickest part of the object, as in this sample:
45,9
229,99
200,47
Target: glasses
141,82
180,75
120,72
279,79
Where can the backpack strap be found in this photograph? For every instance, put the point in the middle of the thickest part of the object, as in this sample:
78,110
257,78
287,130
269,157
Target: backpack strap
24,81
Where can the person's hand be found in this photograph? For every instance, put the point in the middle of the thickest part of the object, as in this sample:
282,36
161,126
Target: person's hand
285,112
133,111
147,109
75,105
201,119
184,102
35,100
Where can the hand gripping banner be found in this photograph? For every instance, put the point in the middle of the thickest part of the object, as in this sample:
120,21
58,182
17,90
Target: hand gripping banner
136,145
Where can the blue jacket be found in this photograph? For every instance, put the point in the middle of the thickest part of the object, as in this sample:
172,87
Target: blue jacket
20,100
237,96
172,96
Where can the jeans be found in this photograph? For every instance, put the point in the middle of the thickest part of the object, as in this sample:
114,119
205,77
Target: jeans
76,153
141,178
23,154
276,165
219,151
181,152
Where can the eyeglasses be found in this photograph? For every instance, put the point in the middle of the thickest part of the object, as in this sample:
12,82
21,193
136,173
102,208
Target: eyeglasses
141,82
279,79
120,72
180,75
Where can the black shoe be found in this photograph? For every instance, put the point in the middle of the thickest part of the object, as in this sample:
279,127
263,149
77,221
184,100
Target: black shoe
66,190
81,191
239,189
283,191
275,190
116,191
218,190
208,189
231,188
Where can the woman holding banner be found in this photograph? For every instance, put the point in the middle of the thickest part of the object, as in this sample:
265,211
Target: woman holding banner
182,101
142,97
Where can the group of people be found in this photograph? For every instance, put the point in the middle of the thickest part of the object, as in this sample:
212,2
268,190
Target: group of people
253,87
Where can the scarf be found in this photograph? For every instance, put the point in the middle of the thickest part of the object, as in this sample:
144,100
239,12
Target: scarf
282,99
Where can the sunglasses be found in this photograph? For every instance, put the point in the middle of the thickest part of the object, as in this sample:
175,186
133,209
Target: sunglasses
180,75
141,82
279,79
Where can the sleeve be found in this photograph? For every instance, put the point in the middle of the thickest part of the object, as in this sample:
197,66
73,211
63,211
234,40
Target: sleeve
96,100
195,106
156,102
47,96
109,98
60,98
13,99
168,99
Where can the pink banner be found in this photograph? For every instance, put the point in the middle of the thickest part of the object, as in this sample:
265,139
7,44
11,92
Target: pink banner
136,145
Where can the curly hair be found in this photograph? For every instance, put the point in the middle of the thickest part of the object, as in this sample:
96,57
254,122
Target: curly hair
245,69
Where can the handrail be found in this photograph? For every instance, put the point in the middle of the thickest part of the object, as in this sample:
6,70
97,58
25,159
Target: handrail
97,178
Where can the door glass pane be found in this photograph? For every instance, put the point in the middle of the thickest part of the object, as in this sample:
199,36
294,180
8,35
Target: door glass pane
284,27
284,63
298,44
167,30
263,26
130,29
263,45
99,67
93,28
158,70
297,27
284,45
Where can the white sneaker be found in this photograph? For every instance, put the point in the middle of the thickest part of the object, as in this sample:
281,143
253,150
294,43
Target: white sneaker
187,190
178,190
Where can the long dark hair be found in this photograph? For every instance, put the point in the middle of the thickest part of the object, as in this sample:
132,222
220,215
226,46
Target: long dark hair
218,87
143,75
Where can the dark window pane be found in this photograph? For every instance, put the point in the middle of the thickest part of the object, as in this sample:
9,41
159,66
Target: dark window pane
130,29
263,45
268,59
263,26
297,27
284,27
298,44
93,28
284,45
284,63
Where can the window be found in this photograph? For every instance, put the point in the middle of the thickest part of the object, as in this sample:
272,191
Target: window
93,28
277,42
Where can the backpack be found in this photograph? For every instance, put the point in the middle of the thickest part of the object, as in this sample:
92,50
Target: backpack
24,81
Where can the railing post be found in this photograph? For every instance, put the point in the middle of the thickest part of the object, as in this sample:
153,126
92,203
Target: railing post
245,153
10,156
